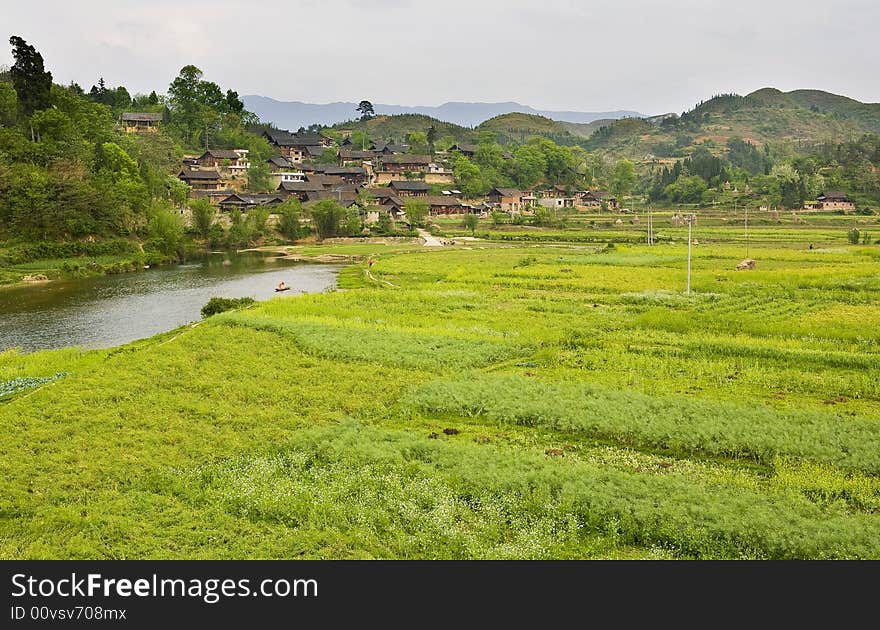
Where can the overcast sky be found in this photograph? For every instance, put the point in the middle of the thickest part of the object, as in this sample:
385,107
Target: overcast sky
652,57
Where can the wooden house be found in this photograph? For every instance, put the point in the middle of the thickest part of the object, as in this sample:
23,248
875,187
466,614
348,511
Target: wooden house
202,179
835,201
444,205
298,146
467,150
245,202
507,199
409,188
595,198
140,122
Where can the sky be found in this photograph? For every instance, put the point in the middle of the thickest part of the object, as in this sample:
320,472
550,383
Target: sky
599,55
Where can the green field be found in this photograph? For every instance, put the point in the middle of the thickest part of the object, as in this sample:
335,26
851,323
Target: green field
496,399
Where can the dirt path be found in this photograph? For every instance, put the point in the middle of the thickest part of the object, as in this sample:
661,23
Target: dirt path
430,241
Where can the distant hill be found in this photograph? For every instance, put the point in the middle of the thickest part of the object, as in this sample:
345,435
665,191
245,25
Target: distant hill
518,128
508,128
296,114
800,119
395,128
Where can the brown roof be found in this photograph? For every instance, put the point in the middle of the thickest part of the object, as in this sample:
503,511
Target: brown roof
300,186
202,175
140,117
834,196
408,185
407,159
223,154
441,200
507,192
352,154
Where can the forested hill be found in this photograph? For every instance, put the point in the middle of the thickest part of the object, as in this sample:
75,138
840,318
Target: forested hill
800,120
507,129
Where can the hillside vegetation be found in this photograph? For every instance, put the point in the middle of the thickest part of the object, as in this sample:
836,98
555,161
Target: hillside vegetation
520,128
799,120
397,128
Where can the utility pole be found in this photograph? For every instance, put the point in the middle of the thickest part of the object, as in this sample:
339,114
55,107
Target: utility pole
747,231
690,221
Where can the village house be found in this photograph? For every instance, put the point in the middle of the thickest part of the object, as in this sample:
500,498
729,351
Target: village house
348,174
283,170
403,163
556,197
507,199
384,148
835,201
140,122
409,188
202,179
300,190
354,157
245,202
298,146
438,174
233,159
595,198
232,164
444,205
467,150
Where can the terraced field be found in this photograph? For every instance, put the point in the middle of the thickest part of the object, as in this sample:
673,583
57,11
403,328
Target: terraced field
496,400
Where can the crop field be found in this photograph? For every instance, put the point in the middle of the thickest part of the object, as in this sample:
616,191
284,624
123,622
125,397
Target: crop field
488,400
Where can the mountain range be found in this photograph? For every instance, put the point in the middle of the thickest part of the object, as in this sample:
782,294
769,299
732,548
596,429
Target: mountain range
296,114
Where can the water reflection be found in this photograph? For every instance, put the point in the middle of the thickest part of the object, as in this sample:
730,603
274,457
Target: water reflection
111,310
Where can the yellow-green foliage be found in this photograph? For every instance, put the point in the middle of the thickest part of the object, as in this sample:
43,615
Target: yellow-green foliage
591,410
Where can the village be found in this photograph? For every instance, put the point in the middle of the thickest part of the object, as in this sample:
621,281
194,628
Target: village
378,178
382,176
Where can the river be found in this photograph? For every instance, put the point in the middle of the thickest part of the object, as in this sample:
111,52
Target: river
107,311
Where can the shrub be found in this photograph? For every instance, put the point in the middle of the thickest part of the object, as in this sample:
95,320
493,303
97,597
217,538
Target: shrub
853,236
219,305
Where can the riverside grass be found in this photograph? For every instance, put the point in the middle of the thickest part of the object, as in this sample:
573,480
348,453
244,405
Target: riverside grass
738,422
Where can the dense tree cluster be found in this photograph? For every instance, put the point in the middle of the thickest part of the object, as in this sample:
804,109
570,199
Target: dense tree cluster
66,171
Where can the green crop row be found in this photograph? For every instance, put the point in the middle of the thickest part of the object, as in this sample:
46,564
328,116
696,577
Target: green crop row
680,424
399,495
387,347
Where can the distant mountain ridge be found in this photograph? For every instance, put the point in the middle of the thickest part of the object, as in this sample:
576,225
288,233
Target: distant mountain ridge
296,114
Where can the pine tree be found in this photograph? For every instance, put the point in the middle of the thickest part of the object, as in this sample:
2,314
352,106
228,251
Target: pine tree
29,78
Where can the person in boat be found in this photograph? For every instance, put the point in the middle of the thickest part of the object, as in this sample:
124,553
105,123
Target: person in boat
281,286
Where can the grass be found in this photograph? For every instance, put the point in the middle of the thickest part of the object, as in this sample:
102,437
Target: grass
491,400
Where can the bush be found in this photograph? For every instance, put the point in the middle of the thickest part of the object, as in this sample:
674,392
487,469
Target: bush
853,236
219,305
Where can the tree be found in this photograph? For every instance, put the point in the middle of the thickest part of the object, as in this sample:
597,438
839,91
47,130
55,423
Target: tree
233,103
418,143
471,221
468,177
326,216
624,178
416,211
165,230
8,104
32,83
498,217
289,214
203,216
365,108
528,166
431,137
183,97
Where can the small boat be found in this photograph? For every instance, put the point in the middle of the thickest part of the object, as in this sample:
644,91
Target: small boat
277,289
